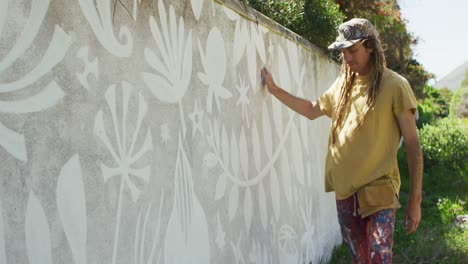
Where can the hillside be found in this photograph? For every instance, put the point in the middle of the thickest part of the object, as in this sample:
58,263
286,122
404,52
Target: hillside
454,78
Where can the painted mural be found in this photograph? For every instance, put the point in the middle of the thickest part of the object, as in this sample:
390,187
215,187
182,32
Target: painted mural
136,131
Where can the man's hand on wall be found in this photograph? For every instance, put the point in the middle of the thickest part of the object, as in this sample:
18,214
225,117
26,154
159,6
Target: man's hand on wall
267,79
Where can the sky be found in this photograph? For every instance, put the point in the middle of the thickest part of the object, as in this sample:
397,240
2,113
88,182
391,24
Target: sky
442,27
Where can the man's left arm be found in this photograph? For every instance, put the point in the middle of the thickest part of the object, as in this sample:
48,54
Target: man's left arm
415,165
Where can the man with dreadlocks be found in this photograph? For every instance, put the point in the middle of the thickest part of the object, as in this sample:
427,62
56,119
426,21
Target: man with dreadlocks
371,107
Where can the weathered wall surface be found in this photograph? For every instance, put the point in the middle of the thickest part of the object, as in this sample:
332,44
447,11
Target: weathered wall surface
138,132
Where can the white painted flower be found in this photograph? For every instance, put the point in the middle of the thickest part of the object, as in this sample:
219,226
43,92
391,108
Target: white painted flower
214,64
288,248
172,61
124,152
41,98
243,100
248,40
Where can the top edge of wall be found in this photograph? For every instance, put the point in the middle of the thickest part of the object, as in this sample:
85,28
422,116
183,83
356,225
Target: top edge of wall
253,15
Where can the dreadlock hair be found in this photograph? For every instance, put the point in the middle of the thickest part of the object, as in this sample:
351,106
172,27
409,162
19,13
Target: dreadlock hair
377,66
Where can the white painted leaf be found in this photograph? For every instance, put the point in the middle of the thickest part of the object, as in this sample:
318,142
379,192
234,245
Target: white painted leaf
275,193
277,109
230,13
197,6
240,41
225,147
161,88
297,154
187,238
186,62
2,230
46,98
233,201
266,128
252,63
293,58
13,143
262,204
244,154
37,233
220,187
210,137
71,205
256,147
215,57
259,42
234,154
248,209
286,178
284,79
155,62
217,133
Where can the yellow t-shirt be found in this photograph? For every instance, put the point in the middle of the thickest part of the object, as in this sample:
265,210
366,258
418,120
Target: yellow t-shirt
368,154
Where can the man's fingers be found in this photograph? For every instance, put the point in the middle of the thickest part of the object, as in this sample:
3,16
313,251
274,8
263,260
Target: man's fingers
410,225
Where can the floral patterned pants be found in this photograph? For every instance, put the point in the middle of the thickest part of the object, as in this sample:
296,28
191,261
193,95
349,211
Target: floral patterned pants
369,239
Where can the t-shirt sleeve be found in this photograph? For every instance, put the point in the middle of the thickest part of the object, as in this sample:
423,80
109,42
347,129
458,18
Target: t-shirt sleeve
403,98
326,100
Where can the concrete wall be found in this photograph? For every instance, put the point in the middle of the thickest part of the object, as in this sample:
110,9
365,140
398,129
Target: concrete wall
138,132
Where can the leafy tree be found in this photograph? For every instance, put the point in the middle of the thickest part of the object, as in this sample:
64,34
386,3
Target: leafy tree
417,76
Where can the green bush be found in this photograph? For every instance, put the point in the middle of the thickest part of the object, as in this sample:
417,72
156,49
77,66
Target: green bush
434,106
315,20
287,13
445,143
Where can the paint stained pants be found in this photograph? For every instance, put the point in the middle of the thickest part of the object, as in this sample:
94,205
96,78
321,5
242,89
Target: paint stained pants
369,239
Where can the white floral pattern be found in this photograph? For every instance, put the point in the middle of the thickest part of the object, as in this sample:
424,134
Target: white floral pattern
123,151
174,63
214,62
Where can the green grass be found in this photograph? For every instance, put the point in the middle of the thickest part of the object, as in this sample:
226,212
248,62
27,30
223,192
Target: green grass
437,240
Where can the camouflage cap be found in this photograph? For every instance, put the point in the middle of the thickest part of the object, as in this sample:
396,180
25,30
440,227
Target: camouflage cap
351,32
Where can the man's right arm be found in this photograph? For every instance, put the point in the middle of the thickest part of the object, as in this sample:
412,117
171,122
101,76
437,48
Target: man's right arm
309,109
